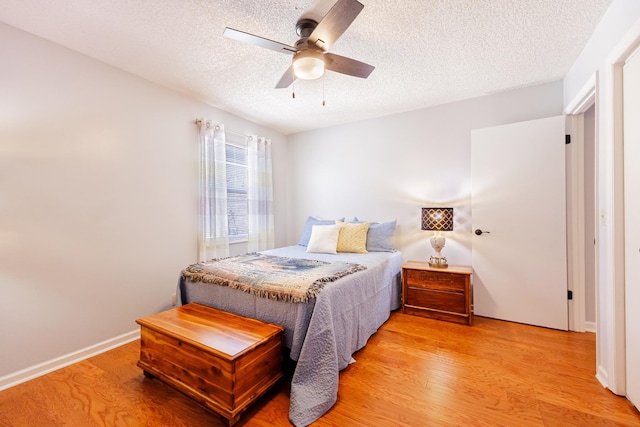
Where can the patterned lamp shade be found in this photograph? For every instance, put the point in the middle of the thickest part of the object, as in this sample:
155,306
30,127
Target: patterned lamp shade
438,219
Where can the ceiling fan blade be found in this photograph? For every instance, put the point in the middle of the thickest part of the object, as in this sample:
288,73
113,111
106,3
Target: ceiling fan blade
287,78
344,65
258,41
334,23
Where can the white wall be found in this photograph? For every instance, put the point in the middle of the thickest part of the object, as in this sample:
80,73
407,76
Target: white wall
388,168
98,198
615,31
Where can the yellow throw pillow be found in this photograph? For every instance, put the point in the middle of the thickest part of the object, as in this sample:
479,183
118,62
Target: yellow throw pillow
353,237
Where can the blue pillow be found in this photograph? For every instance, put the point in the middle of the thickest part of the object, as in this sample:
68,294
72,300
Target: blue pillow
380,236
309,223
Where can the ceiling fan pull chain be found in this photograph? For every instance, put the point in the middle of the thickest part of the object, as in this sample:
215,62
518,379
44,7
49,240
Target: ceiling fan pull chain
293,90
323,79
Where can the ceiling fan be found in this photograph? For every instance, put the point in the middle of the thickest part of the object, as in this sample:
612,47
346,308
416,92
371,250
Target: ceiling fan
310,56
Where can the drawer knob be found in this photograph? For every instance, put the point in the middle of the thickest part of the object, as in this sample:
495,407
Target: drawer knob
478,232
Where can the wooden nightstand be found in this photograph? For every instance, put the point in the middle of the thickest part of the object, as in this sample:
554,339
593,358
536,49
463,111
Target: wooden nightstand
439,293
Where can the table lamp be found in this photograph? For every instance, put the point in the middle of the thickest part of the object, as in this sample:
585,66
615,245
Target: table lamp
438,220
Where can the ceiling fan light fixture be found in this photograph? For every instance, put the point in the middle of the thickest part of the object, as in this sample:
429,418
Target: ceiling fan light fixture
311,54
308,64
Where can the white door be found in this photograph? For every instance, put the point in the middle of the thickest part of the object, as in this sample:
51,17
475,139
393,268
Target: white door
631,95
519,204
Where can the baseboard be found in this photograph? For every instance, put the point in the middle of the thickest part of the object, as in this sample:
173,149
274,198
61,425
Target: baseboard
590,326
602,376
40,369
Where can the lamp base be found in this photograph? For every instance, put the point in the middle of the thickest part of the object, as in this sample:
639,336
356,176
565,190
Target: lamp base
438,262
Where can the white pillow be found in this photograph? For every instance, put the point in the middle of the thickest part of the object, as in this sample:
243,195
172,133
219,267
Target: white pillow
324,239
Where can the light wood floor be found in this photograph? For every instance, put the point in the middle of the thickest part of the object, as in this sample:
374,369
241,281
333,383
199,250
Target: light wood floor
413,372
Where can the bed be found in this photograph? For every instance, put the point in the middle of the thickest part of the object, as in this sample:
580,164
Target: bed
323,333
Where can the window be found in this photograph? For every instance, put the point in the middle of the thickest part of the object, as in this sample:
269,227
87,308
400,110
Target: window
235,192
237,204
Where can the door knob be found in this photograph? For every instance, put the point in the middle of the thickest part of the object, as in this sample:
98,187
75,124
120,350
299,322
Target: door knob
479,232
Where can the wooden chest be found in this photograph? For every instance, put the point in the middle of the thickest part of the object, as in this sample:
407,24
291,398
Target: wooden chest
220,359
440,293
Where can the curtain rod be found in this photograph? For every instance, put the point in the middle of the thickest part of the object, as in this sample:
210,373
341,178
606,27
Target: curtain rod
208,125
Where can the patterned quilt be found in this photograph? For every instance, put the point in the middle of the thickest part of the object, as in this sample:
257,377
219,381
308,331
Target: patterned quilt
268,276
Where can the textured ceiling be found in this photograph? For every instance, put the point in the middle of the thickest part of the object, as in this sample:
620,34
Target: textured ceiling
426,52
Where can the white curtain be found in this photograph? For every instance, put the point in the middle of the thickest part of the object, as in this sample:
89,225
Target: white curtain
260,194
213,230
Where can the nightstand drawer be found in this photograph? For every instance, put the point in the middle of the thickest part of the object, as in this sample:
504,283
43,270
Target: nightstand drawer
436,280
438,300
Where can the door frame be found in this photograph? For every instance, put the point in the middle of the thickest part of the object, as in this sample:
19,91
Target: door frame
632,375
612,237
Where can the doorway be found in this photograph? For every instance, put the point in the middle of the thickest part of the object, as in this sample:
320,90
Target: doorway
581,208
589,140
